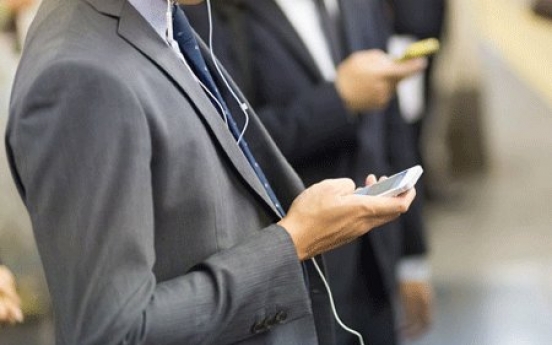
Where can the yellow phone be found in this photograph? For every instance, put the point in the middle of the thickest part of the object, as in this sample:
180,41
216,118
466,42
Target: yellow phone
420,48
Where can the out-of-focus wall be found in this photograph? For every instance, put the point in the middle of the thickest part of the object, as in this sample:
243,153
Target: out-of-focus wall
453,137
459,65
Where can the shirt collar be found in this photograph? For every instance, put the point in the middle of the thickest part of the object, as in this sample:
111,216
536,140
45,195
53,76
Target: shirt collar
154,12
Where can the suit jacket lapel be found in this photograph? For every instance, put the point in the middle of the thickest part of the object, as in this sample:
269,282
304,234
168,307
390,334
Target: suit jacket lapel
270,13
134,29
244,168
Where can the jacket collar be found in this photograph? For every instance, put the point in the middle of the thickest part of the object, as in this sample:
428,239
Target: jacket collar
270,13
109,7
358,20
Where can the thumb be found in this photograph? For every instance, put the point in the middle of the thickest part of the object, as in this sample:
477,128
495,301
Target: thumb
401,70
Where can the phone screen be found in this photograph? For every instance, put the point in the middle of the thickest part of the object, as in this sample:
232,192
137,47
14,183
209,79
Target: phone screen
383,186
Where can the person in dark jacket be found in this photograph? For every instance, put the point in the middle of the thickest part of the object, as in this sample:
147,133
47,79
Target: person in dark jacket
330,106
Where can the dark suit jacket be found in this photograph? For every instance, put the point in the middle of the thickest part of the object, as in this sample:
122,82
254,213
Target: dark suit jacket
310,124
421,18
151,224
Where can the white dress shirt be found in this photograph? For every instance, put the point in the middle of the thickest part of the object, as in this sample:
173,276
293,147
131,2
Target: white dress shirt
155,13
303,16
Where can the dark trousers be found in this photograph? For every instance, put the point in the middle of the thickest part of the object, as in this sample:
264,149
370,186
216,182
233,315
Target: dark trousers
360,299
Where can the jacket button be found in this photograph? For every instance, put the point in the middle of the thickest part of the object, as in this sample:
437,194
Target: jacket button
259,327
280,316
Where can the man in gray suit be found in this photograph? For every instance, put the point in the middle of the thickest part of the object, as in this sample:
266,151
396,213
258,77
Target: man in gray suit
151,221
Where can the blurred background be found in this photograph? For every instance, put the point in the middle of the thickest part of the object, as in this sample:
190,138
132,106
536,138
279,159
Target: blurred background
486,143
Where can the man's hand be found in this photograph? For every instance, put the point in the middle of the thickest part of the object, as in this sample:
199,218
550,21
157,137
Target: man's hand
10,304
17,5
367,79
417,302
329,214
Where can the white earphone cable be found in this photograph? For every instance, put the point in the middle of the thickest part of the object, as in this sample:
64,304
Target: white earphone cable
168,18
243,105
332,305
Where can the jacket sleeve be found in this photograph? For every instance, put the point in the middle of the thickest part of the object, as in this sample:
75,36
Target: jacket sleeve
81,152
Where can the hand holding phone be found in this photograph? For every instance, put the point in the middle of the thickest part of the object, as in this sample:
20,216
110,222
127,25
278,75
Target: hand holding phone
395,184
420,49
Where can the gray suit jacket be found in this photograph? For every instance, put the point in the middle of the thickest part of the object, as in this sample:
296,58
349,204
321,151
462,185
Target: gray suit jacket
151,224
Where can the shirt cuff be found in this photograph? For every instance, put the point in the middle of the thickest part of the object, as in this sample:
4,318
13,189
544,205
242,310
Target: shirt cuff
415,268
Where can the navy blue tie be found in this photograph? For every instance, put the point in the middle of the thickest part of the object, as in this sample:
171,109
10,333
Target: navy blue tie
184,36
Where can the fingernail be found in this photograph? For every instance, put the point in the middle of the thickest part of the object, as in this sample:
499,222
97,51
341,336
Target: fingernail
19,315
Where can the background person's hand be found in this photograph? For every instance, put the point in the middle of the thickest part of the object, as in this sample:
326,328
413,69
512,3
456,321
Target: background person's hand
10,304
367,79
417,303
17,5
329,214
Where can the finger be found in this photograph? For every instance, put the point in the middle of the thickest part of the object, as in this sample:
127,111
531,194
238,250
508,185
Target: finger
9,291
3,311
387,207
6,276
372,56
408,327
342,186
408,196
16,315
414,326
7,282
418,322
426,308
401,70
13,312
401,203
371,179
19,316
412,331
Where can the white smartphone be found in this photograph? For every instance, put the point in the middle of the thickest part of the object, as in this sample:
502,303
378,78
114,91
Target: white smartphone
394,185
